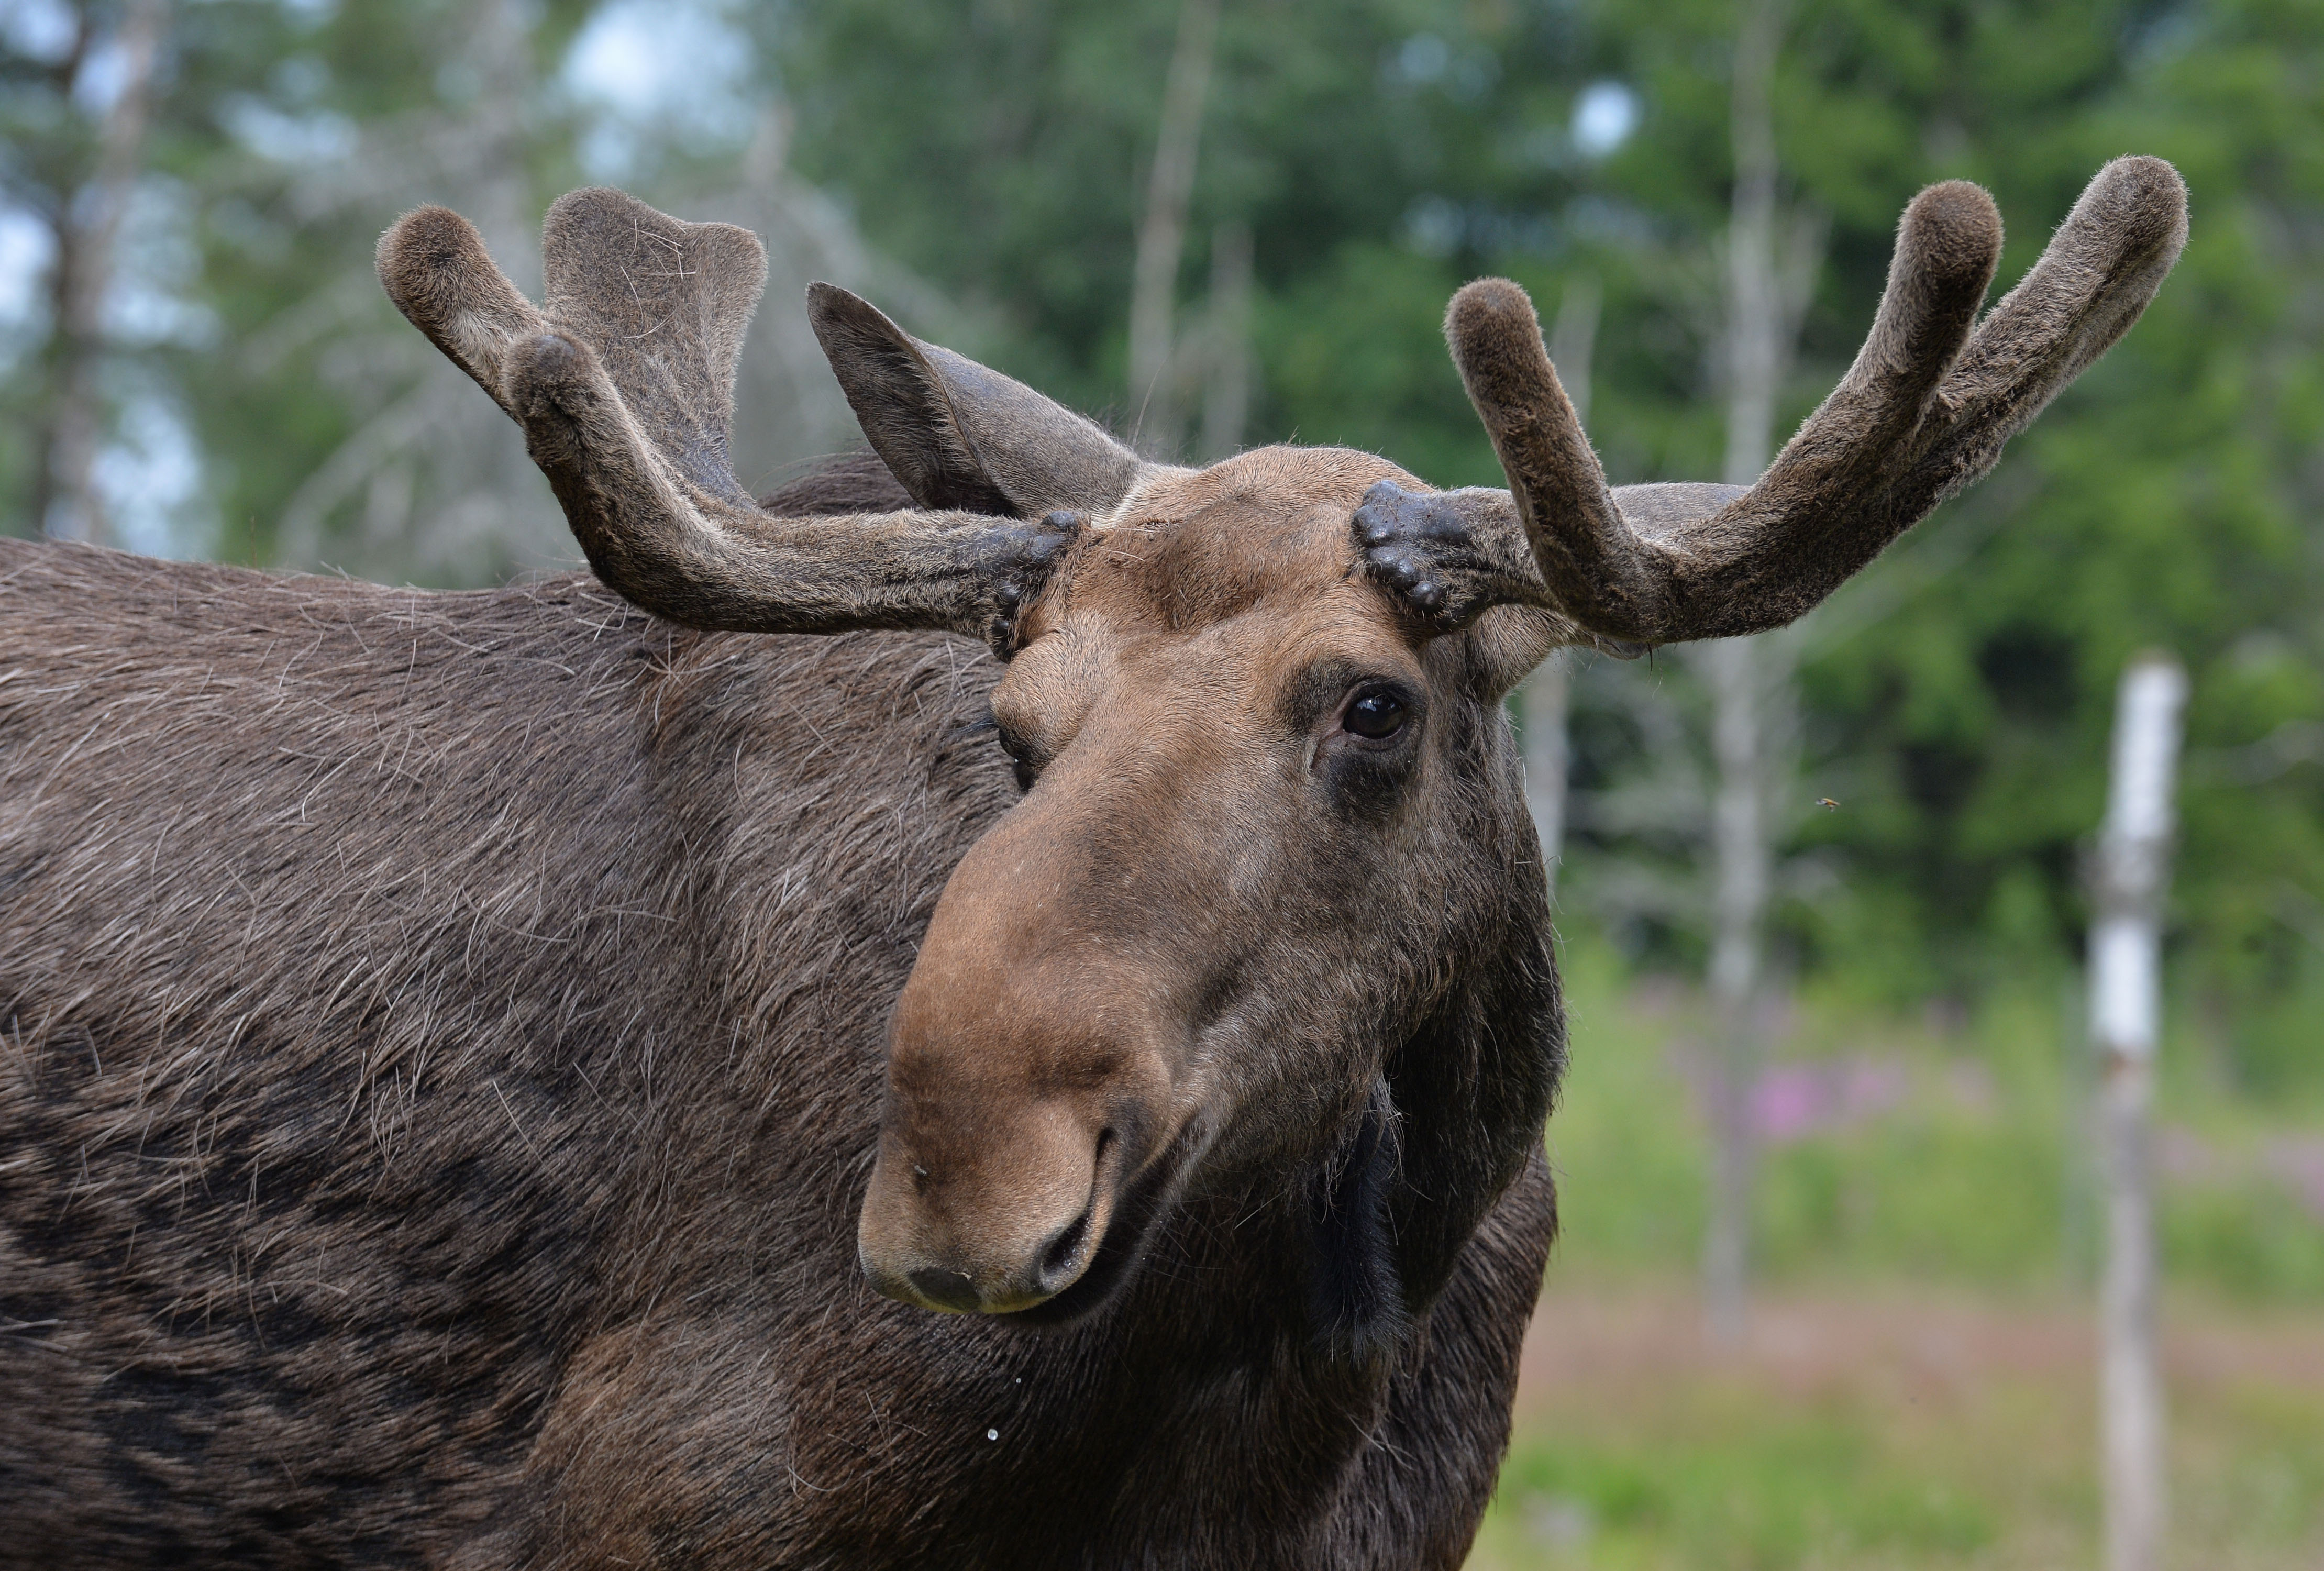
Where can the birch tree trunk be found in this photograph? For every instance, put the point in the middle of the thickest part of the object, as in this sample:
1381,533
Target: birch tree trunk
1545,705
1162,232
1227,372
1738,901
2125,1009
1759,332
88,230
1226,389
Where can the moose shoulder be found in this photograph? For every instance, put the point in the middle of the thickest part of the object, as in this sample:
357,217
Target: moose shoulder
503,1079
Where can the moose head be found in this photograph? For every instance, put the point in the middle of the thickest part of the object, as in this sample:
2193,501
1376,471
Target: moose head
1270,809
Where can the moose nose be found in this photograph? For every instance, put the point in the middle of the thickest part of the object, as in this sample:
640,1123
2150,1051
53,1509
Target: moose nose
942,1239
1057,1267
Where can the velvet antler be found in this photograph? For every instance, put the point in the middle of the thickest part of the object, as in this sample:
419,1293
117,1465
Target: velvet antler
1924,411
623,383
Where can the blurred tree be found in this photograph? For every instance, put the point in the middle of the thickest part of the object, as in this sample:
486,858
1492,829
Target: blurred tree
1156,358
104,108
2172,498
353,442
1957,694
1018,171
1749,680
85,216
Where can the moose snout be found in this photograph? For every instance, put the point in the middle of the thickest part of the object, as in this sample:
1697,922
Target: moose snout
992,1230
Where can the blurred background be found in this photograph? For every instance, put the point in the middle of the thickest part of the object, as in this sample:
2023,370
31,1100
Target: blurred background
1824,1297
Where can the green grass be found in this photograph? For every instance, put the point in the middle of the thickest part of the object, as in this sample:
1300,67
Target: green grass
1797,1489
1918,1389
1979,1177
1728,1463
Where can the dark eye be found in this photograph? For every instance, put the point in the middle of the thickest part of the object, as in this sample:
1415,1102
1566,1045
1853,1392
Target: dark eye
1378,715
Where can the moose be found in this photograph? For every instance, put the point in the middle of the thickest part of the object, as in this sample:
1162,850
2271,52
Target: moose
994,1007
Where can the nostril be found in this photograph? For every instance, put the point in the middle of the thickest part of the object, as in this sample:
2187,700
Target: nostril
1067,1254
1061,1261
944,1289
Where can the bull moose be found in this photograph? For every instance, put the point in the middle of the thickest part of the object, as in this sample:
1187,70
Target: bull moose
502,1079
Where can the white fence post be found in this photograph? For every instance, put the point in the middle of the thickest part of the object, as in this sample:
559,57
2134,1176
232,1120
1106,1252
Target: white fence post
2126,1018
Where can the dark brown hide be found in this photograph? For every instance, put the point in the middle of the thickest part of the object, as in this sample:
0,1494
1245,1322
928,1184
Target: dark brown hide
443,1051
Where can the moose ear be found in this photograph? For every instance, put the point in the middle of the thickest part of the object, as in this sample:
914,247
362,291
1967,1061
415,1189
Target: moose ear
960,437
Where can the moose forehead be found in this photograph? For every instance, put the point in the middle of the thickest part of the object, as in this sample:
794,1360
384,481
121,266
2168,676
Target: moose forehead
1193,549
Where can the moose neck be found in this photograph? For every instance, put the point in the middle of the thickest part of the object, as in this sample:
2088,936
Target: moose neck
1474,1084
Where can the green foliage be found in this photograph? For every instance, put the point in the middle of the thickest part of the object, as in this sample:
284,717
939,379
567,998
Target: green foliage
373,109
49,152
2167,499
2251,1240
1002,151
1341,347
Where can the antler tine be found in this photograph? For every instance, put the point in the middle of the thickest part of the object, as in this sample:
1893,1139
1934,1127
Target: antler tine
435,267
1917,417
1595,566
2094,280
624,387
665,305
1676,563
1811,521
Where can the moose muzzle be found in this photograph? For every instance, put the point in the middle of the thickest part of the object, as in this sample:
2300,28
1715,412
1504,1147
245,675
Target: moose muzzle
1027,1081
1004,1221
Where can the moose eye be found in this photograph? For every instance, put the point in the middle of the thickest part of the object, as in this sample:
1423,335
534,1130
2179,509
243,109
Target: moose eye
1377,714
